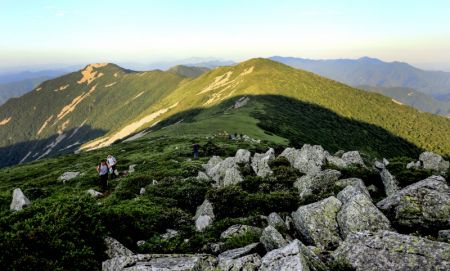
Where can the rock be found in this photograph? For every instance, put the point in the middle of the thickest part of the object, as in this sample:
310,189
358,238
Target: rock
293,257
131,168
318,185
240,230
385,162
339,153
309,159
204,215
202,176
232,176
379,165
413,164
272,239
140,243
213,161
142,191
434,162
237,259
115,249
67,176
242,156
355,187
423,206
358,212
373,189
19,200
223,172
276,221
389,182
93,193
336,161
216,247
352,158
169,234
317,223
260,163
444,236
386,250
289,223
179,262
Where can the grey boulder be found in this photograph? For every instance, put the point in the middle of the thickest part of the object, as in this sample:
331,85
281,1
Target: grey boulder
293,257
19,200
318,185
69,175
244,258
309,159
352,158
358,213
434,162
385,250
260,163
240,230
424,205
115,249
152,262
272,239
204,215
317,223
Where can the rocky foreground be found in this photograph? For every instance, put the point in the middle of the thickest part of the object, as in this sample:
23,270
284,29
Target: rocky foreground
345,231
341,227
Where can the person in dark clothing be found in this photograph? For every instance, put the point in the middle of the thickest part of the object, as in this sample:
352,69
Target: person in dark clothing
195,148
103,170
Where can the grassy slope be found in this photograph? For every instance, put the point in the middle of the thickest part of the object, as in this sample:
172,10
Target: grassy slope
113,102
425,130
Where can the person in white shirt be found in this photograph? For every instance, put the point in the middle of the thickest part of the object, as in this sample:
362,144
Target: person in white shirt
102,170
112,162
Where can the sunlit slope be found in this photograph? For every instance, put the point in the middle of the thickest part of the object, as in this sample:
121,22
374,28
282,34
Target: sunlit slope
266,77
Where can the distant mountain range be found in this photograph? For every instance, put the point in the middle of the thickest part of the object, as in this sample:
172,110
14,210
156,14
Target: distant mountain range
104,103
376,73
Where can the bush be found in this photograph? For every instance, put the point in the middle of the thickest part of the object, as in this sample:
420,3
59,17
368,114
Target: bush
59,233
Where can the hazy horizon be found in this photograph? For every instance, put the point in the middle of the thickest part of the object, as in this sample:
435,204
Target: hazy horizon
51,34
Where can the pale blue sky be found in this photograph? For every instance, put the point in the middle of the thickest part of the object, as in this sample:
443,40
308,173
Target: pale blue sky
64,32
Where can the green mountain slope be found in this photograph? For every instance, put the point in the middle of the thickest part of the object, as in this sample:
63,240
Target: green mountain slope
63,113
187,71
413,98
103,104
265,77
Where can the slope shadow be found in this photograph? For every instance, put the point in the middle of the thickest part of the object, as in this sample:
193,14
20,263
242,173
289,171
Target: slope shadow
18,152
306,123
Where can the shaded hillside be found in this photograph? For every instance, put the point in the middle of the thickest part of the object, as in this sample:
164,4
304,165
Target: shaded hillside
374,72
18,88
266,77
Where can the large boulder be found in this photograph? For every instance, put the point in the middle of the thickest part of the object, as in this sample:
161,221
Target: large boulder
179,262
336,161
242,156
244,258
319,184
276,221
389,182
293,257
223,172
352,158
358,212
349,188
272,239
309,159
19,200
115,249
204,215
385,250
423,206
240,230
434,162
260,163
317,224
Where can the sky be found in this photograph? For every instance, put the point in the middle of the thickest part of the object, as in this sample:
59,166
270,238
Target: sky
48,33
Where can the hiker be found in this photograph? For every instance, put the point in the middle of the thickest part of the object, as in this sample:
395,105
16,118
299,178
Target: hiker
102,170
112,162
195,148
